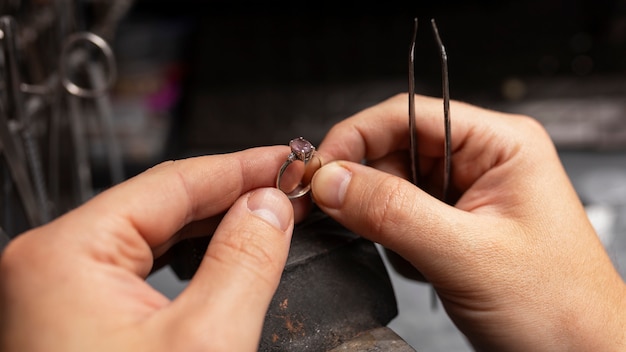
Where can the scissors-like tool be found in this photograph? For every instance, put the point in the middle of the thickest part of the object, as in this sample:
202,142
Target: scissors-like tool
19,123
15,134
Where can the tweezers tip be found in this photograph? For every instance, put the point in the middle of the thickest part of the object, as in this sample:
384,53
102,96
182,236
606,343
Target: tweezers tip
434,25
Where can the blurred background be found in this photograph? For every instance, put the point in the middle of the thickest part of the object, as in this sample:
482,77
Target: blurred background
205,77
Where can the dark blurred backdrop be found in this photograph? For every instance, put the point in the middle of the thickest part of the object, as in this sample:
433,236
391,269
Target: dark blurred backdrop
255,73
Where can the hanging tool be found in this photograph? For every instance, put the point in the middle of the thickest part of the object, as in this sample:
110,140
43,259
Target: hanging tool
18,143
22,126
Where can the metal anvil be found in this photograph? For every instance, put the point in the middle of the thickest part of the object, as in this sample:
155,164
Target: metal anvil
335,292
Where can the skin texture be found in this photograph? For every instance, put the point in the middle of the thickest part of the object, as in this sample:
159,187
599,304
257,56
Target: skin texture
515,260
77,284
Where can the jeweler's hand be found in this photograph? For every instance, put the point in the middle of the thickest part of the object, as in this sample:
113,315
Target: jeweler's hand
515,261
77,283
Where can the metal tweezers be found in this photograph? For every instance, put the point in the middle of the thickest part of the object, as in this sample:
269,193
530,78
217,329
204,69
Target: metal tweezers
415,168
414,152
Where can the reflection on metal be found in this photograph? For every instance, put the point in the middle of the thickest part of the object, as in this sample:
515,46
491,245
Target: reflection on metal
70,56
414,150
415,165
56,80
294,176
376,340
19,145
446,114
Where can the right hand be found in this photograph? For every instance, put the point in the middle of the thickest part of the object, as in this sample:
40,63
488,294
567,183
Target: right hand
515,261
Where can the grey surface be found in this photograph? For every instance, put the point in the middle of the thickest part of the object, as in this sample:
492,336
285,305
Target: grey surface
424,328
600,179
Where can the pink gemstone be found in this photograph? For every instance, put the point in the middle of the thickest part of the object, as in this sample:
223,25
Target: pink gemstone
301,147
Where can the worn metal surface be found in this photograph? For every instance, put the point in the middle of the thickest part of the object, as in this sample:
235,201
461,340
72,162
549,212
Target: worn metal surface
335,287
377,340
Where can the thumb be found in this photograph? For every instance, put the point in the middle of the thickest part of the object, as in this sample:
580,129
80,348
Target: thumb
230,293
388,210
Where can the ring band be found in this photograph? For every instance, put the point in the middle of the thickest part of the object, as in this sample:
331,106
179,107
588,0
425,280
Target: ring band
301,150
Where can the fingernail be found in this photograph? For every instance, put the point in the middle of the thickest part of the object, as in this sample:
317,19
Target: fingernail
270,205
330,185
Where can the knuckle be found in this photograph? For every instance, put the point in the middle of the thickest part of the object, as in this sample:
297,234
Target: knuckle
528,124
531,132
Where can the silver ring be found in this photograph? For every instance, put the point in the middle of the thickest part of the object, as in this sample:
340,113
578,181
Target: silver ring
301,150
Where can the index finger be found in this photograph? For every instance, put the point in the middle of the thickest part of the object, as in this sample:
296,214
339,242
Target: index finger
129,220
384,128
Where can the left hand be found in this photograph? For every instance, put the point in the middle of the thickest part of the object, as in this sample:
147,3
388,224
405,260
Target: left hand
77,283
